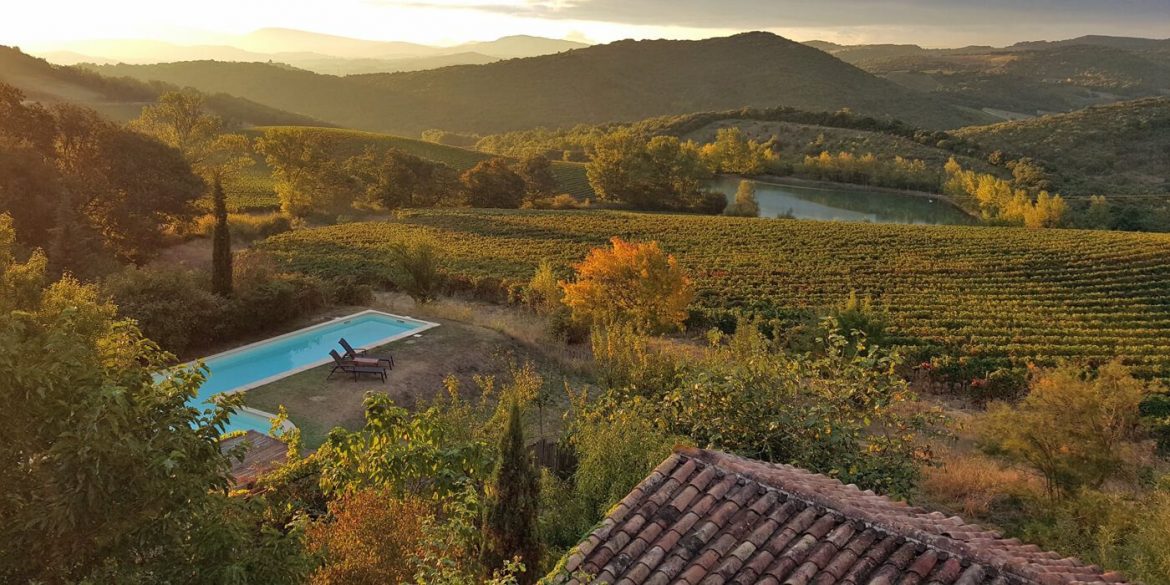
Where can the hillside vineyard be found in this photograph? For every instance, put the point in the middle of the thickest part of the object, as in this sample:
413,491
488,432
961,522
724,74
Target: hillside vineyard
997,295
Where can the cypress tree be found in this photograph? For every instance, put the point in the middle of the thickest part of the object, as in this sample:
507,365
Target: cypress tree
510,527
221,244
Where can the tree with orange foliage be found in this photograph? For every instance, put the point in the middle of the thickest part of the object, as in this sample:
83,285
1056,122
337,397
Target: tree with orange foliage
635,282
374,538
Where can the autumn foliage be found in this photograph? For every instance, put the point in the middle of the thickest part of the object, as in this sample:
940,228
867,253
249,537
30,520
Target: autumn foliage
634,282
374,538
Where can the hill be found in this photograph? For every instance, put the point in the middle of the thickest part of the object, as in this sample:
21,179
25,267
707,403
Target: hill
627,80
1026,79
121,99
996,296
1116,149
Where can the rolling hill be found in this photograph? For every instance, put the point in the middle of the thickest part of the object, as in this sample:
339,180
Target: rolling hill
1115,149
320,53
626,80
1025,79
121,99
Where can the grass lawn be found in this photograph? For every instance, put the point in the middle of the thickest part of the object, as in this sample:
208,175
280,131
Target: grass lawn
463,349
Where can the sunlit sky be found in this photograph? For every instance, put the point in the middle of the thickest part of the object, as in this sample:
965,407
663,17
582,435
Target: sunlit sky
40,23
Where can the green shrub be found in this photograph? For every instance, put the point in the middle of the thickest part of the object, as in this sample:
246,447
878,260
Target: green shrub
618,444
419,274
174,308
543,292
562,326
247,227
1002,384
1131,534
347,290
177,310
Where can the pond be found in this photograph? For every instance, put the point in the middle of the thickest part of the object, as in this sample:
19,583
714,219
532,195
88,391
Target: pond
845,203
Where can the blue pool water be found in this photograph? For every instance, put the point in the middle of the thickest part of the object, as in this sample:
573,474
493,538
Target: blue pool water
270,360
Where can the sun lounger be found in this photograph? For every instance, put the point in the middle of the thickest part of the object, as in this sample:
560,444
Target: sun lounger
349,367
359,356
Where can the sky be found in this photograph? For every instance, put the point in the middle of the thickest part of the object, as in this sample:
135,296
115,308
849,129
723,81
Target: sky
933,23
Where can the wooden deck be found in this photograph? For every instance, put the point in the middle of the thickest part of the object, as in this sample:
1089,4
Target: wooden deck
262,454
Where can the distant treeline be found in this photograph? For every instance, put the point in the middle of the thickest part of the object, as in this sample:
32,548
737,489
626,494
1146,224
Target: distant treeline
574,143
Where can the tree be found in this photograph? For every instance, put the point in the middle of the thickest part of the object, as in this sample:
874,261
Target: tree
539,181
180,120
510,525
657,173
745,204
85,416
1099,216
131,186
631,281
394,179
493,183
308,180
733,153
1076,428
402,454
125,187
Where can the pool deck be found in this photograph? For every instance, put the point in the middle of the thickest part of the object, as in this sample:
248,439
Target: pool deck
288,426
261,454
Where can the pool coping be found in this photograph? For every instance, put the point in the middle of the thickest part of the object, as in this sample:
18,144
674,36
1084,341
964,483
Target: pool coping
288,425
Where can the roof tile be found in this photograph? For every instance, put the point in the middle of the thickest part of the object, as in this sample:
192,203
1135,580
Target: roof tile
704,517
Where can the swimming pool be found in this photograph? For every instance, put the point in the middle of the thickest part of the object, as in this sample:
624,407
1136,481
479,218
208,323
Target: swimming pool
259,363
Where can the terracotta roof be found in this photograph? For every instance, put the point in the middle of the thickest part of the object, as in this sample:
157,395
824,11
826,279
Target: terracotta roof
261,454
704,517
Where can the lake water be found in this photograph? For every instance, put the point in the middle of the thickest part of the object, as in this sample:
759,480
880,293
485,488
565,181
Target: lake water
845,204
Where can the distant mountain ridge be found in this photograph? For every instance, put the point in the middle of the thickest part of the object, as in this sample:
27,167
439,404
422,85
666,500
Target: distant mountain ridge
121,99
1025,79
321,53
622,81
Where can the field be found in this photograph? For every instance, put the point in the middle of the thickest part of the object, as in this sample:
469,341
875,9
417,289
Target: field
994,296
253,191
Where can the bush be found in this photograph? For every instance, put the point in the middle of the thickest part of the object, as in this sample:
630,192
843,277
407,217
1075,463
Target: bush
347,290
562,201
618,444
1004,384
1126,533
543,292
174,308
562,326
1077,428
246,227
280,300
419,274
372,537
177,310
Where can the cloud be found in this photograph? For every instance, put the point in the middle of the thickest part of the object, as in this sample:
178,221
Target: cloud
770,14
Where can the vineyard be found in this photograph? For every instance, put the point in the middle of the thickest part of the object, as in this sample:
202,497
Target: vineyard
992,296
